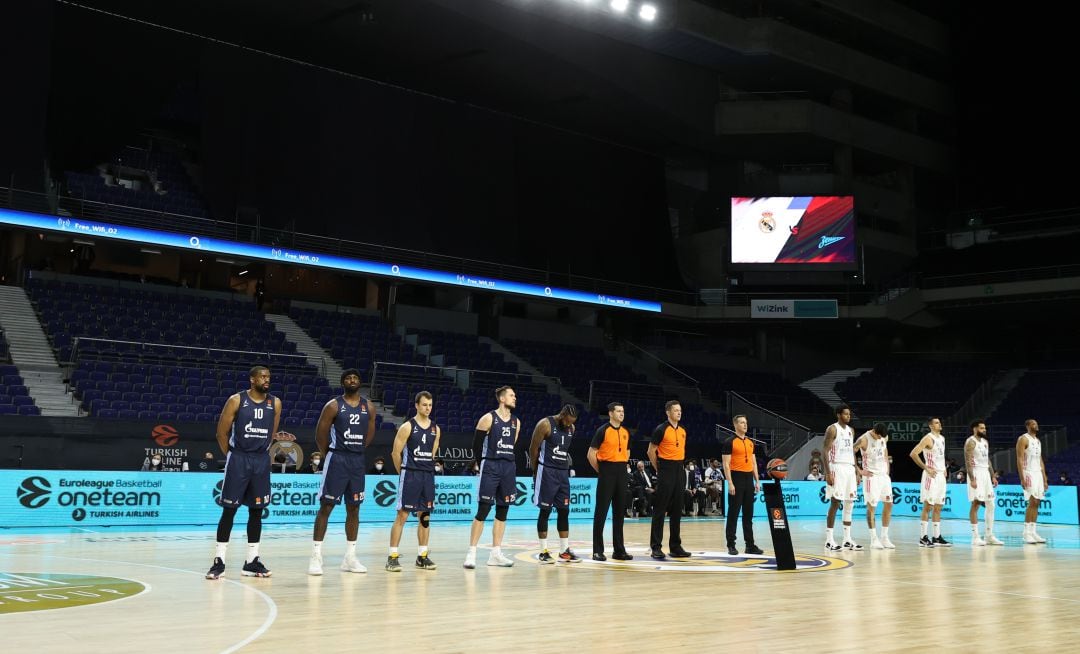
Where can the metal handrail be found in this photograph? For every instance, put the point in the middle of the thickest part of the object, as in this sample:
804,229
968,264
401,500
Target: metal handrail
456,371
78,340
662,388
661,361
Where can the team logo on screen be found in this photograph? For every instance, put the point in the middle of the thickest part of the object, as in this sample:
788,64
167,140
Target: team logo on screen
385,492
767,223
34,492
826,241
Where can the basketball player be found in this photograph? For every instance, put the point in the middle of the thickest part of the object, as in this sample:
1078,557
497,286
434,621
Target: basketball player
413,453
877,482
345,423
493,444
933,489
1029,464
549,452
248,424
981,483
841,477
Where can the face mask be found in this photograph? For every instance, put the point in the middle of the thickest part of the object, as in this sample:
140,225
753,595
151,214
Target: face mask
378,466
438,468
691,468
155,461
316,462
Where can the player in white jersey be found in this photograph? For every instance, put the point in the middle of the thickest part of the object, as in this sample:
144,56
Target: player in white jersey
1029,463
934,480
841,477
981,483
877,483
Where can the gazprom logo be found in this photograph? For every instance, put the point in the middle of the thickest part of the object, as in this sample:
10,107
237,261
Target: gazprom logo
34,492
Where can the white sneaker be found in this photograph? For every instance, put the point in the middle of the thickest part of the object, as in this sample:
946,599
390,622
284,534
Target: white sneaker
831,546
350,564
977,542
1029,538
875,544
315,565
1037,537
499,560
470,561
852,545
992,539
887,544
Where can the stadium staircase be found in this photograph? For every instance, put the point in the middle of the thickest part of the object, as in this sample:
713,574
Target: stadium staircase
305,345
33,356
524,366
824,386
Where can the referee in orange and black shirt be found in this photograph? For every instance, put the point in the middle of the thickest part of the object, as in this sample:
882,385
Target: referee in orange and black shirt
740,469
608,454
667,451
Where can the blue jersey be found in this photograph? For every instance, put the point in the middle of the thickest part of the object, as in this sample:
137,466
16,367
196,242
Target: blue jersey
349,429
555,449
499,443
419,451
253,426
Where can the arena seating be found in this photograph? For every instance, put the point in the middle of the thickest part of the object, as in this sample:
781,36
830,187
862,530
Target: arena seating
178,194
154,354
913,389
767,390
14,397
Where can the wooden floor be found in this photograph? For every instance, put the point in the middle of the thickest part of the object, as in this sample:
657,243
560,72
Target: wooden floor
1012,598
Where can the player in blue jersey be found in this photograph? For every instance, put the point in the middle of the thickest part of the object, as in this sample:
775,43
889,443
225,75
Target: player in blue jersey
549,453
493,447
346,426
248,424
413,453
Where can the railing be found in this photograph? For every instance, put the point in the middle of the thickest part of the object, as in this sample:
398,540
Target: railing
1003,276
661,362
207,357
782,435
966,411
384,372
607,389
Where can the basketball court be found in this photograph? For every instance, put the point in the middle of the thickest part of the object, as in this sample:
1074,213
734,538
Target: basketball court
151,594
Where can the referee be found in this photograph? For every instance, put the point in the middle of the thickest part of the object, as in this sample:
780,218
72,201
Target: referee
667,451
740,469
608,454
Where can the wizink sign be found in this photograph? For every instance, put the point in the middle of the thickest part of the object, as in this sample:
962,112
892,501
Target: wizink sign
794,309
51,498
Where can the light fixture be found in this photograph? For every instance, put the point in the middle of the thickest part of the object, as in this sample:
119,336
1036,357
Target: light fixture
620,5
81,241
647,12
242,272
149,251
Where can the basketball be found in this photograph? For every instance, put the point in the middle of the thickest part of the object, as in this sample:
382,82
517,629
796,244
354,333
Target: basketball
777,468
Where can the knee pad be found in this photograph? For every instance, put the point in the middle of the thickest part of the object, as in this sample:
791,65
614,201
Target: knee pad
425,520
849,508
500,513
542,519
482,511
563,519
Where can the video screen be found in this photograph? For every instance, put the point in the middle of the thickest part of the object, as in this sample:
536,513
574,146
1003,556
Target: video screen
815,229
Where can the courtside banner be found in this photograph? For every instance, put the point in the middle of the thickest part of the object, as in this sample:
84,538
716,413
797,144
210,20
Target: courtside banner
807,498
58,498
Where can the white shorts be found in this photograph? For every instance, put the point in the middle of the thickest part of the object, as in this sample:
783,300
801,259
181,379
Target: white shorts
877,489
1035,487
844,486
984,487
933,488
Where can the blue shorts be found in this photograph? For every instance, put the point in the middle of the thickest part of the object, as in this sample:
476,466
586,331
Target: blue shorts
247,479
552,487
342,479
498,482
416,491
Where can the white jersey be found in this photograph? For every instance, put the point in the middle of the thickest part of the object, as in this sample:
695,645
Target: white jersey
876,455
760,227
843,446
935,456
980,454
1033,456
